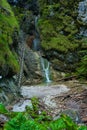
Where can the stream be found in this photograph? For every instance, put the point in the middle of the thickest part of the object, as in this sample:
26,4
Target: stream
44,92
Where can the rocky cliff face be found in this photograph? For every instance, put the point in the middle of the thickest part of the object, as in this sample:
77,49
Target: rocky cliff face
9,65
61,37
8,26
61,33
59,29
11,50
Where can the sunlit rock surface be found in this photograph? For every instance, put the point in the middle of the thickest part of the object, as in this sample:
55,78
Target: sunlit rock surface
20,107
43,91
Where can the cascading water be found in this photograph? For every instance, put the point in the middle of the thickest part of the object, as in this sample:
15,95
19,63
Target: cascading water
36,47
82,16
36,20
46,69
36,41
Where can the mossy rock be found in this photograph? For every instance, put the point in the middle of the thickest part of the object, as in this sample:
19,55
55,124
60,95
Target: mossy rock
8,24
60,32
59,43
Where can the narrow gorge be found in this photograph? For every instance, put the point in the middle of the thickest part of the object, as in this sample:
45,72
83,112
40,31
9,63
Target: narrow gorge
43,65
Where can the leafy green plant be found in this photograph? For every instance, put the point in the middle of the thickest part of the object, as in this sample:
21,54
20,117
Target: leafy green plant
24,121
62,123
20,122
65,123
34,111
15,123
3,110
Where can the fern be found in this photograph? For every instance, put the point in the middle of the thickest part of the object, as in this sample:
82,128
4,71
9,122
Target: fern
63,123
15,123
3,110
32,125
23,121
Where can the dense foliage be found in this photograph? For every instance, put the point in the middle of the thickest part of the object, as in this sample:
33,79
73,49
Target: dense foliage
21,123
37,121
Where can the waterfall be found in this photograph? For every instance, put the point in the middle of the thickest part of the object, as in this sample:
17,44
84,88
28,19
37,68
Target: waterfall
36,41
36,20
46,69
36,47
82,15
36,44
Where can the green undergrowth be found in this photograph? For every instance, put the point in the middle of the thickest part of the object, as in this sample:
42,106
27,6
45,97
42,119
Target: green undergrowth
34,119
8,24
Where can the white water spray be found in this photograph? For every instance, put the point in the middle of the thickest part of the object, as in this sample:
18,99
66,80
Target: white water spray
46,69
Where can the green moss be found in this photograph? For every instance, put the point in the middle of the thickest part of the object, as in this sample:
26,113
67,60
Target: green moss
84,43
82,68
59,43
8,23
47,29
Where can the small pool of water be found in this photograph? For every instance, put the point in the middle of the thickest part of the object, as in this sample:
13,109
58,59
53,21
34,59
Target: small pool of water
43,91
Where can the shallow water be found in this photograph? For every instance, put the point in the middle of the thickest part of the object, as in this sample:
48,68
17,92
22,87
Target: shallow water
45,92
42,91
